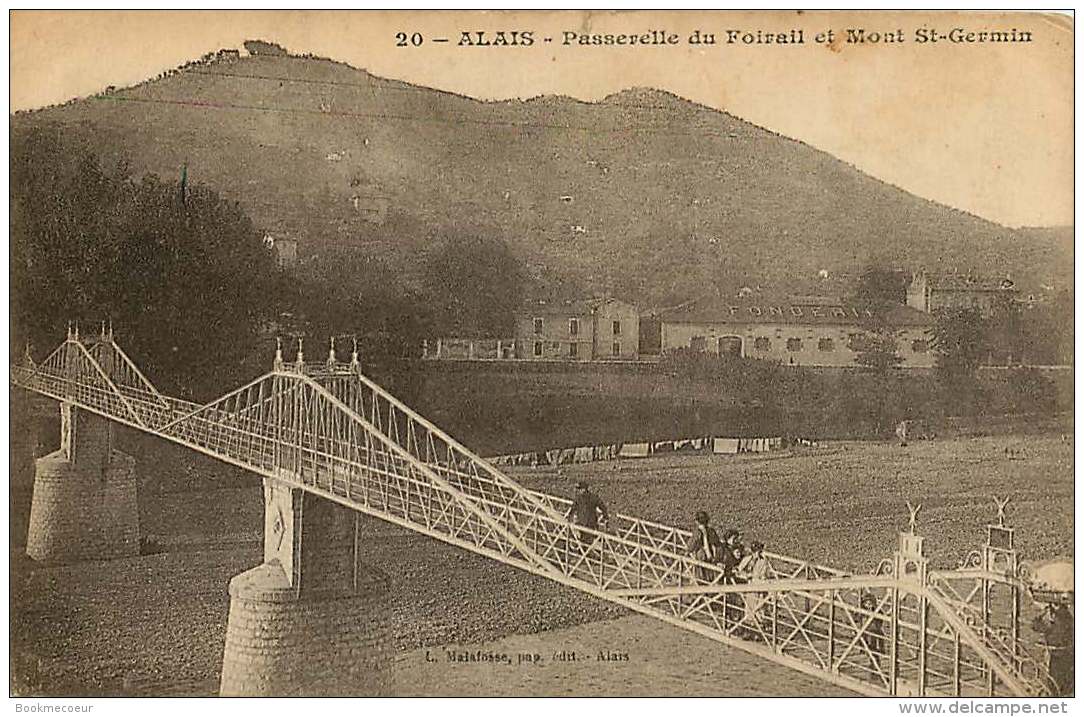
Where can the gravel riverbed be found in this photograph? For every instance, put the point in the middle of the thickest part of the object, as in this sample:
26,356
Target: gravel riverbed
156,624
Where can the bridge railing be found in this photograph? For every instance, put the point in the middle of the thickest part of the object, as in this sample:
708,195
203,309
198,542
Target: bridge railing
676,540
337,434
963,594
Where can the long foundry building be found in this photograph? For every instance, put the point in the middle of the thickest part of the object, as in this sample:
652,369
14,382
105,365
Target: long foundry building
797,331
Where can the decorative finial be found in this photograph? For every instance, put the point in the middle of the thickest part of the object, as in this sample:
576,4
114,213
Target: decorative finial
354,353
914,515
69,330
103,330
26,353
76,334
110,328
300,351
331,353
277,365
1001,509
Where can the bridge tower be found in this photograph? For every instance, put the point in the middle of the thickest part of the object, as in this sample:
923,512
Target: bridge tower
909,633
312,619
85,504
999,556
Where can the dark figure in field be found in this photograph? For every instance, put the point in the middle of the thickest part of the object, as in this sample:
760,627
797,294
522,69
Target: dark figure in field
875,639
704,545
1056,627
586,511
901,433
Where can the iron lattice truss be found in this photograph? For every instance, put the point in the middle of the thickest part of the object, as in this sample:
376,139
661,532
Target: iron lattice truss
327,429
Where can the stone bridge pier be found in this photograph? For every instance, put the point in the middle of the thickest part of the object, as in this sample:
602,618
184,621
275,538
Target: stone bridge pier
85,504
312,619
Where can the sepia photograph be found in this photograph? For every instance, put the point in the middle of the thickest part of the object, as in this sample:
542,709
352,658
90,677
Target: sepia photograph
539,354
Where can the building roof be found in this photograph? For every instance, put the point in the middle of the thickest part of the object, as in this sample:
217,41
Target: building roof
968,282
577,307
818,300
567,307
908,316
800,311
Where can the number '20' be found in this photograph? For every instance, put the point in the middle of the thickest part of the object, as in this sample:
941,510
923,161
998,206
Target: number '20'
403,40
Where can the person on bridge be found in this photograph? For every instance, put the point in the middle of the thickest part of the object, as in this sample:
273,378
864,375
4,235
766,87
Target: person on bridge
587,511
875,631
1056,627
753,567
732,555
704,545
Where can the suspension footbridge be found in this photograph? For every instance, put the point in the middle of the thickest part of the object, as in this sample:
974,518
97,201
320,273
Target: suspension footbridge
326,430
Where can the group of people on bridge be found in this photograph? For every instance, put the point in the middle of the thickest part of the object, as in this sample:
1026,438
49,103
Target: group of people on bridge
738,562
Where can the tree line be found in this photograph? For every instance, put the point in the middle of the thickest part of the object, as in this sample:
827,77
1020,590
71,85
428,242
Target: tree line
1008,333
192,292
181,274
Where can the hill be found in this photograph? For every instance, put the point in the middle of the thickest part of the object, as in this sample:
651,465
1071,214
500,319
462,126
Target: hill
642,194
1050,247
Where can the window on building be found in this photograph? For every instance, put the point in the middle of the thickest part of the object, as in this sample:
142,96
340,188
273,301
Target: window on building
573,349
617,348
698,343
573,327
730,346
794,344
762,343
826,345
920,346
617,328
538,325
538,348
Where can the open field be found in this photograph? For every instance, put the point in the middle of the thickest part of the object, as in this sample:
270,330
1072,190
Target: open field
842,504
156,624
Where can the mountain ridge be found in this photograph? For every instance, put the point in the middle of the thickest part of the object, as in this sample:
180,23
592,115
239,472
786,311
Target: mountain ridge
643,193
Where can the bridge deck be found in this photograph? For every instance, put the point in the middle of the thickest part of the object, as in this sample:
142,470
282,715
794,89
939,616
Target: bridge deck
331,431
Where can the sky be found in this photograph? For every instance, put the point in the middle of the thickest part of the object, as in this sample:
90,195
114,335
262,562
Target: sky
982,127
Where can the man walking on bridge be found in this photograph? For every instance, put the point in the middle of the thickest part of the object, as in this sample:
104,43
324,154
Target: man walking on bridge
704,545
586,511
